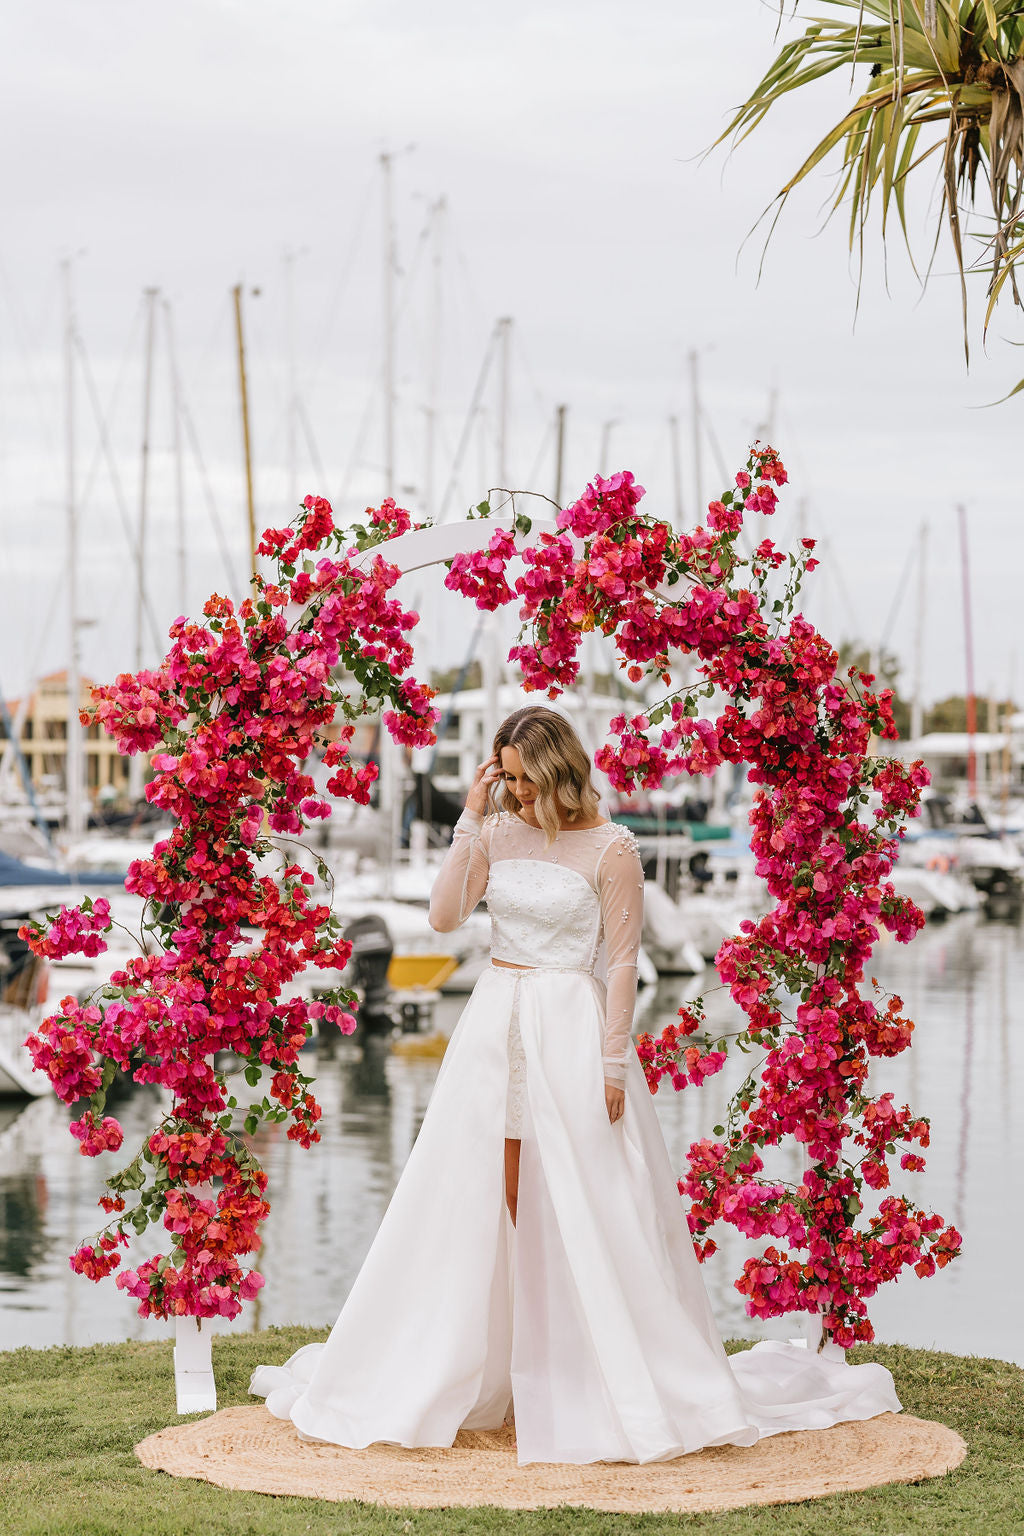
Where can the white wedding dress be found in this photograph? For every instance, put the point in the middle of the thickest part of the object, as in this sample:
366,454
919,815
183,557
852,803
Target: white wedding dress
589,1317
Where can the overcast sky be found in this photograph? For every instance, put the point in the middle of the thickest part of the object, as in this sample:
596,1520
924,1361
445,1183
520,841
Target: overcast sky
212,142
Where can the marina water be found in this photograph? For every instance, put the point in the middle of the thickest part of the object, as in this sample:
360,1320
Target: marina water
961,982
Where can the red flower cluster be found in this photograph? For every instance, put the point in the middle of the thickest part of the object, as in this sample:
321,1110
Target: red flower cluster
805,735
668,1055
259,687
481,573
74,931
97,1136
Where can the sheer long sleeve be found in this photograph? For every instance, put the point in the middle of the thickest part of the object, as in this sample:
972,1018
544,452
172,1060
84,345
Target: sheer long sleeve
620,883
462,878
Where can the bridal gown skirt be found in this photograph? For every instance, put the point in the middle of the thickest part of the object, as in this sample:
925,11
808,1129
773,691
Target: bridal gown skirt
590,1316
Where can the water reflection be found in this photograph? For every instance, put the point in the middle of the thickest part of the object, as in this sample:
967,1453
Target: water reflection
966,1071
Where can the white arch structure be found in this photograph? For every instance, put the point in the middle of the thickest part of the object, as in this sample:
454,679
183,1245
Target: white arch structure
413,551
434,545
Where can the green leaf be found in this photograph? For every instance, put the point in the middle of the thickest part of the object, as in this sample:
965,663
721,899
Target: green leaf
132,1177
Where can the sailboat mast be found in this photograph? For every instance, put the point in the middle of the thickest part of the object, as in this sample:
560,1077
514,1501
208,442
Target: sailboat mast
559,452
389,323
698,475
179,459
434,372
604,461
293,404
504,340
916,706
137,764
147,404
972,703
74,756
677,473
243,385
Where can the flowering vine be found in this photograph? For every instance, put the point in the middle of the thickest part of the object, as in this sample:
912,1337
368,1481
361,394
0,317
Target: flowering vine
238,706
826,820
243,700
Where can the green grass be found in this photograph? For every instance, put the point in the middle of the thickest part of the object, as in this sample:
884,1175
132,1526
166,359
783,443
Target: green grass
69,1419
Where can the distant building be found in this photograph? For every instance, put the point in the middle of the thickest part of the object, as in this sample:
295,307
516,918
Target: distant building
999,758
41,722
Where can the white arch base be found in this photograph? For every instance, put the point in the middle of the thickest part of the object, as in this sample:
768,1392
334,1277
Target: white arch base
194,1386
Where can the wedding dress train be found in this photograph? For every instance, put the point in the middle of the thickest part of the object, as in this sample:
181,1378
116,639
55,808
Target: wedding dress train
590,1315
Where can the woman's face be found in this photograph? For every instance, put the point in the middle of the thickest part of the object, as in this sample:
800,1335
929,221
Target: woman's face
514,775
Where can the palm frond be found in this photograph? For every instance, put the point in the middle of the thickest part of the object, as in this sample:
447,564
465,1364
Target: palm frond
951,70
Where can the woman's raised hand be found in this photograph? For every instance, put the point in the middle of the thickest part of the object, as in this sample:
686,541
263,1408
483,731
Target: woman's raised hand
487,774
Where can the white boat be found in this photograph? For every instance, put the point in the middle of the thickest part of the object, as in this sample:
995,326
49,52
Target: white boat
668,938
711,919
937,892
18,1077
23,979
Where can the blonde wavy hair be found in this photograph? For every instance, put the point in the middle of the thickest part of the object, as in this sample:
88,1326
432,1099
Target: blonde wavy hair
555,760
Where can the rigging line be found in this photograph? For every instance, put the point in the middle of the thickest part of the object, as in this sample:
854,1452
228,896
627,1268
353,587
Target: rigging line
34,337
897,600
12,750
793,453
204,480
45,628
467,430
223,320
355,456
311,443
21,339
441,730
541,452
327,329
409,275
469,285
715,448
97,458
378,378
115,480
828,548
519,347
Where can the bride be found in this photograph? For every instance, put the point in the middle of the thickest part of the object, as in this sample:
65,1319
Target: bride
535,1256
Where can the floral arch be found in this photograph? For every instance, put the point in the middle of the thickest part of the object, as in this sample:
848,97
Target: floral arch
244,698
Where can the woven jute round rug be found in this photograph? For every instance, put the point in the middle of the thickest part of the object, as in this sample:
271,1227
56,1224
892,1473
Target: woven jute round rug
247,1449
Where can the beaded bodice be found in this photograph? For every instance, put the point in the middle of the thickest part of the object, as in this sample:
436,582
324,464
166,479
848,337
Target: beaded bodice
552,905
542,914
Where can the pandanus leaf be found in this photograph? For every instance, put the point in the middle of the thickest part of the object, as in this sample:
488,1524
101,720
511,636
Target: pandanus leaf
953,71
